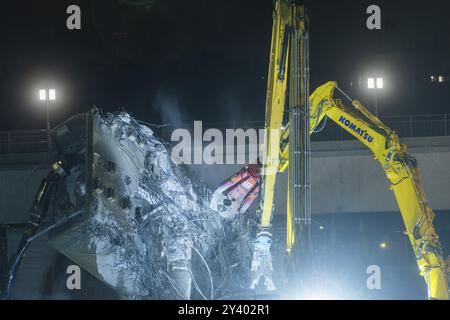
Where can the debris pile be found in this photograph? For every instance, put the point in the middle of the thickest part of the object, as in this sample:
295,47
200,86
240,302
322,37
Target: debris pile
151,228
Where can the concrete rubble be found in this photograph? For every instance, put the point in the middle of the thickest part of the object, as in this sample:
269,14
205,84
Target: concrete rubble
150,227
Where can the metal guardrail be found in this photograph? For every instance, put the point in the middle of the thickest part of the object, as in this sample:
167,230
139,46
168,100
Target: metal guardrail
23,141
405,126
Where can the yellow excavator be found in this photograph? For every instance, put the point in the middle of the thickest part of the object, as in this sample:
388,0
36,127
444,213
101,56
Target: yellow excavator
288,82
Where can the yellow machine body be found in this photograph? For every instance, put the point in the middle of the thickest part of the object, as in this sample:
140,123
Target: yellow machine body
400,168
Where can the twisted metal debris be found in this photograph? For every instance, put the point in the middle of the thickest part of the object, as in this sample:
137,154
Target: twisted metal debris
151,229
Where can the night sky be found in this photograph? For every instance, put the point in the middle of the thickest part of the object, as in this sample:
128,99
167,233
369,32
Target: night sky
179,61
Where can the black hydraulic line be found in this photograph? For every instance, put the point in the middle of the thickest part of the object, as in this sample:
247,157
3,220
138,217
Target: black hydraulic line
283,57
369,122
306,136
300,152
58,223
37,214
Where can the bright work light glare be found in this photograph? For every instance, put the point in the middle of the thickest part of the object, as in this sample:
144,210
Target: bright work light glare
371,83
383,245
379,83
52,94
42,95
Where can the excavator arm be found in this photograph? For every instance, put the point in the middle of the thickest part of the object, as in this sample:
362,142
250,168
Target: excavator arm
289,23
288,68
401,169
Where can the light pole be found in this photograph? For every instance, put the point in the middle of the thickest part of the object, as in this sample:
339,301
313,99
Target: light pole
375,84
51,96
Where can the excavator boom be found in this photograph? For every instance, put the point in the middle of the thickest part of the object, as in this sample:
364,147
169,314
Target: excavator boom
288,81
401,170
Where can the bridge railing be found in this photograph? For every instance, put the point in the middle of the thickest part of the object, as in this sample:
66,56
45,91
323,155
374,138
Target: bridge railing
23,141
405,126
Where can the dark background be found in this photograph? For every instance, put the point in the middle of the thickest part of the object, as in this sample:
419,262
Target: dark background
176,61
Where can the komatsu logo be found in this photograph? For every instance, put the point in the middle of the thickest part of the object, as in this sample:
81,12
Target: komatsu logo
361,132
